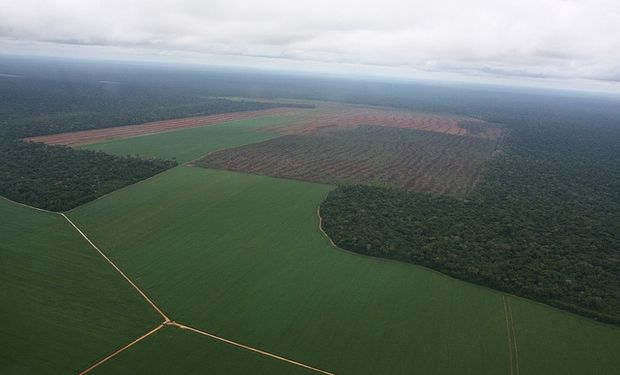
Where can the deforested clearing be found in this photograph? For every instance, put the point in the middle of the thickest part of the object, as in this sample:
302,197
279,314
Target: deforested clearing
118,132
411,159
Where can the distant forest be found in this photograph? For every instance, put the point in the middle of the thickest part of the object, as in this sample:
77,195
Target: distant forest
544,223
47,98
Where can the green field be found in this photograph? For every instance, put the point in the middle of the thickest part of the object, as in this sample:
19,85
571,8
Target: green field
172,351
63,306
189,144
558,342
241,256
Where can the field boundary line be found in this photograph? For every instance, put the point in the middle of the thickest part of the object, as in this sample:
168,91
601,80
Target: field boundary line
28,206
249,348
318,213
512,341
146,298
122,349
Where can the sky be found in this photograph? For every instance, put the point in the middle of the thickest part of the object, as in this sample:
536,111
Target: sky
572,44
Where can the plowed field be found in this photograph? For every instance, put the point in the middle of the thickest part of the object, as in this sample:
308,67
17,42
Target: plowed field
411,159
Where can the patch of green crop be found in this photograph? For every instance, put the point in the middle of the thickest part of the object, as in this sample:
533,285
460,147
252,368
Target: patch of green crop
62,307
174,351
242,256
556,342
188,144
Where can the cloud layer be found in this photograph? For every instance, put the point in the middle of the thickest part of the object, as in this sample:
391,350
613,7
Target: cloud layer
563,39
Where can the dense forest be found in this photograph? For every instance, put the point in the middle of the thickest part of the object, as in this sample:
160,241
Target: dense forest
41,97
60,178
544,223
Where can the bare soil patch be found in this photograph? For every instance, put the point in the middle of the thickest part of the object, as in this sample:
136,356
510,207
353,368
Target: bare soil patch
411,159
119,132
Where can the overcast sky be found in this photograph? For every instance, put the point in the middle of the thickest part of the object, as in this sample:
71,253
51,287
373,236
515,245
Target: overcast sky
571,43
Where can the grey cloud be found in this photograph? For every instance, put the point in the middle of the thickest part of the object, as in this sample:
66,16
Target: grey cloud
530,38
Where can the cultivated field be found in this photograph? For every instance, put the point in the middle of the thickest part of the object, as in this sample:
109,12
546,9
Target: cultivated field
242,257
62,306
411,159
172,351
188,144
325,117
99,135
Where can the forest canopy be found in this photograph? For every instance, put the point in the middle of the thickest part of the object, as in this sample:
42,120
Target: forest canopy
544,223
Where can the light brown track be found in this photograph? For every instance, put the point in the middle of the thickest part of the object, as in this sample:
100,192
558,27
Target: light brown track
318,213
230,342
118,351
512,341
146,298
167,321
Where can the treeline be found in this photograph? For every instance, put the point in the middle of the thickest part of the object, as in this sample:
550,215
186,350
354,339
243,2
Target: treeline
67,117
544,223
60,178
47,98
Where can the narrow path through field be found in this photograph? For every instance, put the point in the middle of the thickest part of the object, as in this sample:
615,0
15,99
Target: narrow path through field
169,322
166,319
118,351
262,352
512,342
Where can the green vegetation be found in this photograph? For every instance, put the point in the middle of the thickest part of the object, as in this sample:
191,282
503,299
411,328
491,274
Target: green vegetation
94,108
243,258
544,222
57,178
563,343
189,144
60,178
62,306
411,159
173,351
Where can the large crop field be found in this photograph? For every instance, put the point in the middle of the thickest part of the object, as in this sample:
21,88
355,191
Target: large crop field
238,222
241,256
63,306
188,144
172,351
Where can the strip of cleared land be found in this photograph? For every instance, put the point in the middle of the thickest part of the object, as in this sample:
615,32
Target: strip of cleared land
410,159
119,132
326,117
188,144
332,116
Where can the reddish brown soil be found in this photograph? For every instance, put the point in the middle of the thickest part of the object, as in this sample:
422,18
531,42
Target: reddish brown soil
414,160
336,117
100,135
